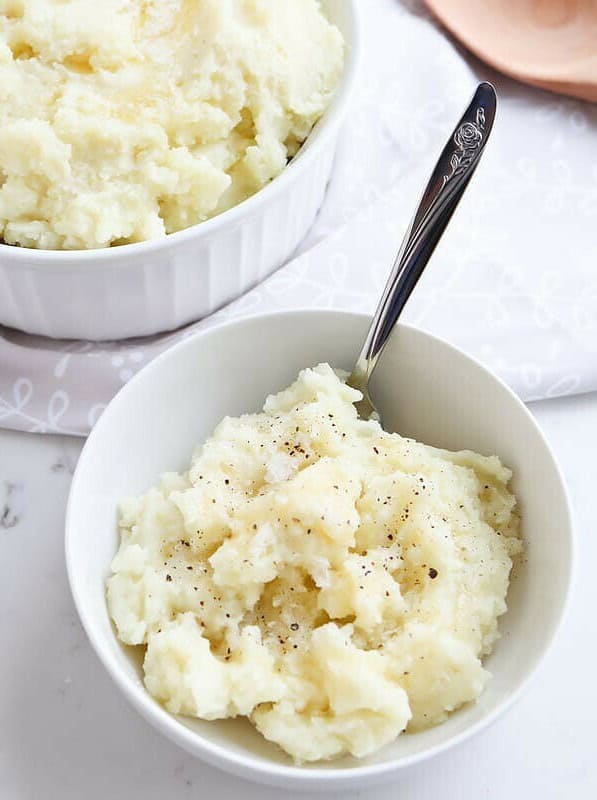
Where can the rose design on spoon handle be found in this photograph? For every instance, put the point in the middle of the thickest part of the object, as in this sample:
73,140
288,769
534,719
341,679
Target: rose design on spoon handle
468,138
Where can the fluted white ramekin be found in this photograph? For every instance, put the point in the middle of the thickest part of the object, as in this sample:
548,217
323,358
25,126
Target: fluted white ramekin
161,284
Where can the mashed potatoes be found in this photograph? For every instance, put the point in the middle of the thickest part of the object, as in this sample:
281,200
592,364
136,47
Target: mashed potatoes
124,120
335,583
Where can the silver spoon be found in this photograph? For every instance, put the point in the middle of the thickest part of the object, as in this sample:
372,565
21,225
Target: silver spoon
446,186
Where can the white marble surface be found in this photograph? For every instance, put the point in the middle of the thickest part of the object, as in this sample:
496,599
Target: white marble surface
65,731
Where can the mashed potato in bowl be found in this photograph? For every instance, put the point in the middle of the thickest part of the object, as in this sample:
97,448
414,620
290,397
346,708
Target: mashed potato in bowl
335,583
129,119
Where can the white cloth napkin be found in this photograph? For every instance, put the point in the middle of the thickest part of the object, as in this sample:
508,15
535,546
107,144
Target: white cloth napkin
514,282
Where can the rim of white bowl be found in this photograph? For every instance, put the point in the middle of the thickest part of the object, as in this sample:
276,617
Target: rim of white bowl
323,131
246,766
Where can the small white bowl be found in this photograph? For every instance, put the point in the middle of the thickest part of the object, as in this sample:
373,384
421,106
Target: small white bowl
424,388
161,284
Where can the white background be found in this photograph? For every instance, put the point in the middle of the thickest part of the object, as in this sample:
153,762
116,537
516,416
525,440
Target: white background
65,731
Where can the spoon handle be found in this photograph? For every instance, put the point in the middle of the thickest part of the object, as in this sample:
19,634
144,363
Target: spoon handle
446,186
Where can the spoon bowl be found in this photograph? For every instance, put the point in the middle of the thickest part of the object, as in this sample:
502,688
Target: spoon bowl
546,43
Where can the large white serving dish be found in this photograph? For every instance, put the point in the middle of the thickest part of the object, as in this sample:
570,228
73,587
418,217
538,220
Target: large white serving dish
161,284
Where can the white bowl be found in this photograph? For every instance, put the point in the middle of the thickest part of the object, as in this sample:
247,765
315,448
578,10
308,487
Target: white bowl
424,388
161,284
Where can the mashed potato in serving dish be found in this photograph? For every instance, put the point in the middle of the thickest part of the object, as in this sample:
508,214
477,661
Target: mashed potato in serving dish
334,583
125,120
